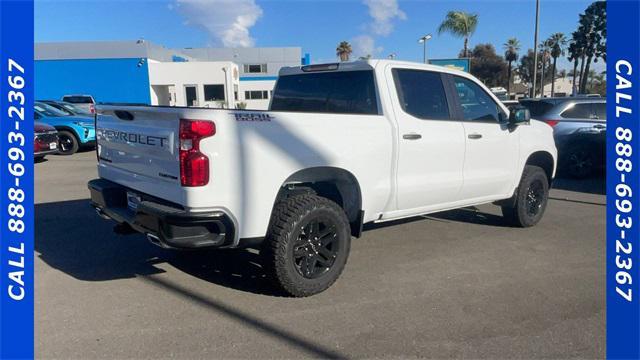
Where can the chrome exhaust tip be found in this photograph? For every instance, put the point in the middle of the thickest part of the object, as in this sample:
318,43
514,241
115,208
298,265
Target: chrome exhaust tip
154,239
102,214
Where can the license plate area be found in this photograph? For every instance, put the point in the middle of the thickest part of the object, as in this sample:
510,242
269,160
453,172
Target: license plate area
53,145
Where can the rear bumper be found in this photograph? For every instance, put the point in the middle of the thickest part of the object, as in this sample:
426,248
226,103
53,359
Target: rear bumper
165,224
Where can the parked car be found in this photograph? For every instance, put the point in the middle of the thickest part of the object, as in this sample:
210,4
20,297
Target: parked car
69,108
342,145
74,131
45,140
579,129
84,101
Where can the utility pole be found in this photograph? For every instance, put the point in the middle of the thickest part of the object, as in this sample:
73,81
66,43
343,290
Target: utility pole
535,49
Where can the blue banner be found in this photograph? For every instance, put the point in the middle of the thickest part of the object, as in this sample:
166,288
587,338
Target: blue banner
16,179
623,182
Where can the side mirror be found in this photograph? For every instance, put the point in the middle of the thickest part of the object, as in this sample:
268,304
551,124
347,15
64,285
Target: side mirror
519,115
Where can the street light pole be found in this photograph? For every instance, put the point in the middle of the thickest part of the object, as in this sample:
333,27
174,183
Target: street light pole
424,40
535,49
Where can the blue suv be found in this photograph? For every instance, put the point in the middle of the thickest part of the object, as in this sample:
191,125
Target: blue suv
74,131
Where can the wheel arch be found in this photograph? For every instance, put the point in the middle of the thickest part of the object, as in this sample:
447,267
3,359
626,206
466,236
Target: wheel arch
336,184
544,160
68,128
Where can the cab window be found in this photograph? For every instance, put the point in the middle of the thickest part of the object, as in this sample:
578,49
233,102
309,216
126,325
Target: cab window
421,93
476,104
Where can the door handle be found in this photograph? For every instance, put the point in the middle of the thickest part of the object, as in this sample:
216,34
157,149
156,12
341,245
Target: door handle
412,136
599,126
475,136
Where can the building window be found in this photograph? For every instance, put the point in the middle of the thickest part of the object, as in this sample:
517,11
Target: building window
256,95
255,68
214,93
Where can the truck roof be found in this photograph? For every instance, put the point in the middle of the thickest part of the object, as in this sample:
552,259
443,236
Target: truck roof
366,65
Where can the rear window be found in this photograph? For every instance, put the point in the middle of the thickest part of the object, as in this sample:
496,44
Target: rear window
78,99
537,107
601,110
343,92
578,111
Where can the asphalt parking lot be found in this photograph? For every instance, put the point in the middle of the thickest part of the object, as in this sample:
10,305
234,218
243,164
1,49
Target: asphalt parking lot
453,284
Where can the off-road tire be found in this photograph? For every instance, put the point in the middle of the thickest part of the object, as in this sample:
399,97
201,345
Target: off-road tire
289,218
520,214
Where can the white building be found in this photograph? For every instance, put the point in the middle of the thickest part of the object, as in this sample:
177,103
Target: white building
142,72
203,83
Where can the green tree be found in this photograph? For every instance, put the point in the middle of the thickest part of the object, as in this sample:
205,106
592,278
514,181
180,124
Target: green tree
460,24
591,38
575,55
343,51
511,48
558,44
545,56
488,66
525,69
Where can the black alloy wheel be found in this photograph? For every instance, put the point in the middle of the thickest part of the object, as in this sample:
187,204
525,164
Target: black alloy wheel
316,248
68,143
535,197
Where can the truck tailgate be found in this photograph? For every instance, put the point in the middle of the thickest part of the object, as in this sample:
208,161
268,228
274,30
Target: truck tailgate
140,143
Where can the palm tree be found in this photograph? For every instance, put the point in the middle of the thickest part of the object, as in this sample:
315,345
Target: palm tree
558,44
545,50
343,51
511,47
460,24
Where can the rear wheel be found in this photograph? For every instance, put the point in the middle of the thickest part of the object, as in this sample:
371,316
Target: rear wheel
531,198
579,161
307,246
69,144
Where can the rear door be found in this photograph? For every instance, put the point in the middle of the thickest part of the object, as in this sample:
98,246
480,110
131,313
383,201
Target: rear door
431,144
491,147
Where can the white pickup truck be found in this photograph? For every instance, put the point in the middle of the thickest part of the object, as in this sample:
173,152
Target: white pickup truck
342,145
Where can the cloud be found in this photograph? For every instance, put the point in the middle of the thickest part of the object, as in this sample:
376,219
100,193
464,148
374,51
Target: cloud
384,13
364,45
228,21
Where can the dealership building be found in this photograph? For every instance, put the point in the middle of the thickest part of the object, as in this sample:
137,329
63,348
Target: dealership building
145,73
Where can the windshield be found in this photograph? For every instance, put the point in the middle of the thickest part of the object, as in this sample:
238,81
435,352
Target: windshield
75,109
47,110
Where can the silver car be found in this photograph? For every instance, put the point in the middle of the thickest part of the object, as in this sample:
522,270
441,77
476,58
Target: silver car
579,128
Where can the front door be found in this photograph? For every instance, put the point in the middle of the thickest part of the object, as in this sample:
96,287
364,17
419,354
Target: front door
431,144
491,147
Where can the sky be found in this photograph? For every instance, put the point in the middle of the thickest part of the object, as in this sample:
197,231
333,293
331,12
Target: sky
377,27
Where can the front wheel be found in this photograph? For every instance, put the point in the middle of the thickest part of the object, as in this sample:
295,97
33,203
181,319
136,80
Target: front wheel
69,144
307,245
531,198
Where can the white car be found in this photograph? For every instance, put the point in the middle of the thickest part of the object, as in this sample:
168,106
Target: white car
342,145
85,102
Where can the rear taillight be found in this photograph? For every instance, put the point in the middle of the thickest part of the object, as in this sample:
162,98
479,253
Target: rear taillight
551,123
194,165
92,108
